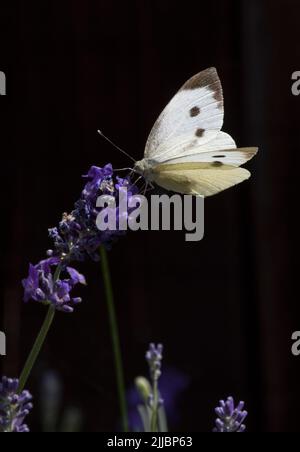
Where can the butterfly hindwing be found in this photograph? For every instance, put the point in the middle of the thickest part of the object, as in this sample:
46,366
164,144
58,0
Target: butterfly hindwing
222,148
199,179
232,157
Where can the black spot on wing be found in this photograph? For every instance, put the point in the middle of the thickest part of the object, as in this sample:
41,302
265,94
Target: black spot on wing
219,156
195,111
199,133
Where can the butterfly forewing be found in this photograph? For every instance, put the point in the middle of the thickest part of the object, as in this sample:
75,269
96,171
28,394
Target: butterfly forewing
193,118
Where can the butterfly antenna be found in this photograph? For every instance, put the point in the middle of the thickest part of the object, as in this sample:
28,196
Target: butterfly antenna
115,146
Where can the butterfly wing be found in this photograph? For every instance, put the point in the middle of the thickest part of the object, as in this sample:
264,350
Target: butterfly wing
205,170
199,179
222,148
193,118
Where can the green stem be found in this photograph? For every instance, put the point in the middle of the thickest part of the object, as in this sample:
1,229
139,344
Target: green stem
36,349
154,417
115,337
39,342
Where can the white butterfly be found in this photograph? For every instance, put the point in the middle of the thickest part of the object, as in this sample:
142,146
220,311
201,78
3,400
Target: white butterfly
186,151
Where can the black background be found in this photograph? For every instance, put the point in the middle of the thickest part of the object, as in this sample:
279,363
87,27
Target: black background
225,308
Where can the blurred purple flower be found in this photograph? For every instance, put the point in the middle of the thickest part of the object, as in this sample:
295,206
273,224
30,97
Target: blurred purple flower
41,286
172,383
77,235
14,407
230,418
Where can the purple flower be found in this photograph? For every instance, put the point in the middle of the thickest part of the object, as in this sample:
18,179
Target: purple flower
230,418
76,277
77,235
31,284
99,179
42,286
14,407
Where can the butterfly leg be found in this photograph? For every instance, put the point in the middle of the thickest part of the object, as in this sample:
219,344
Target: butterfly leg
138,179
145,188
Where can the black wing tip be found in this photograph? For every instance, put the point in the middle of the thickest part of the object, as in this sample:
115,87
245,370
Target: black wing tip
207,78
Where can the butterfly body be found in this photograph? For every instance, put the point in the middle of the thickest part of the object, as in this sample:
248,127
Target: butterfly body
186,151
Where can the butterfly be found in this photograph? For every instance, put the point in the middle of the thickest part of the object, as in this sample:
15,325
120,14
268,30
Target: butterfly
186,151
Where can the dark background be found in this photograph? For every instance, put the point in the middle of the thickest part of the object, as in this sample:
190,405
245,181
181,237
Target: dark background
225,307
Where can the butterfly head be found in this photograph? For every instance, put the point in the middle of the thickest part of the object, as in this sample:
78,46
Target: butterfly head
144,168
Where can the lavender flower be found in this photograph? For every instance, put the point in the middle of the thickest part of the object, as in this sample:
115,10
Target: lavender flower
77,235
154,358
42,286
14,407
156,417
230,418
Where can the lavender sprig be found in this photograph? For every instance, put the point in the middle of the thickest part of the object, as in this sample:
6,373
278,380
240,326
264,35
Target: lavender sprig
230,418
76,238
154,357
14,407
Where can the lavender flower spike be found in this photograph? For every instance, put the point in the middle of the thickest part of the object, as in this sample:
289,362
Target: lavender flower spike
154,358
230,418
77,236
14,407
